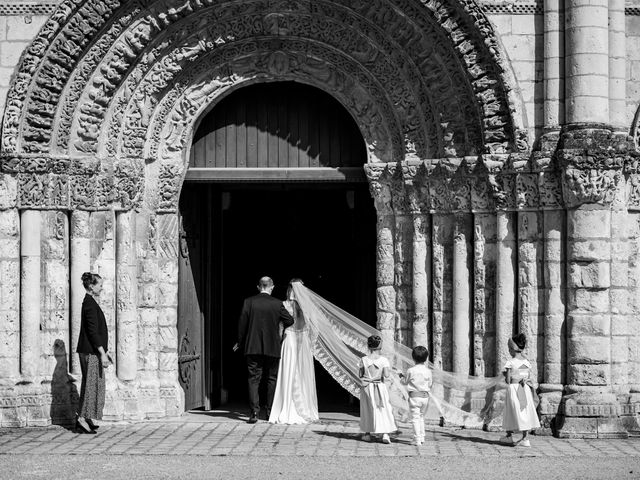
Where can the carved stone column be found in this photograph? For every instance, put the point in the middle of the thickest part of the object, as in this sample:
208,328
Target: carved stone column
9,297
30,312
587,61
421,261
554,265
529,281
385,292
80,262
441,235
505,284
126,297
402,248
461,293
484,268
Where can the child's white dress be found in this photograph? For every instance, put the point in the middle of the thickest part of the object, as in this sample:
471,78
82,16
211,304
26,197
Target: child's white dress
376,415
519,409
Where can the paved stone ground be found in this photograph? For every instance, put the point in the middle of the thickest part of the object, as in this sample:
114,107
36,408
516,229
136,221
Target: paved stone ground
222,445
227,434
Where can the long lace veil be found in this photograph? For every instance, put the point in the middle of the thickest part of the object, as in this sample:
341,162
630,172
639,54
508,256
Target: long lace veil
339,339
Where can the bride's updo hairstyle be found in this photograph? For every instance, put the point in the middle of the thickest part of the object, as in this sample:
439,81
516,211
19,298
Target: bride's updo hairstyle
295,280
89,279
374,342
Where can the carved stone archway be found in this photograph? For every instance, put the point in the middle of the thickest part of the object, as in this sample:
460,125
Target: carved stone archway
100,115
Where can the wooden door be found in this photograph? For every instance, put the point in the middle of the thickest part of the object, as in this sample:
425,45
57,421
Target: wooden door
190,319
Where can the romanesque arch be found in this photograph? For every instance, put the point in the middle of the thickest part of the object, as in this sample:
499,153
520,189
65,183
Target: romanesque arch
108,87
101,112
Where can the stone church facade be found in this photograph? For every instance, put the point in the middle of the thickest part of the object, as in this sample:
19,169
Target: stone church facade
502,158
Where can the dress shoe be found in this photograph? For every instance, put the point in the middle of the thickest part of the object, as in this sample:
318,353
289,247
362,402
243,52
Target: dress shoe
92,425
253,418
80,428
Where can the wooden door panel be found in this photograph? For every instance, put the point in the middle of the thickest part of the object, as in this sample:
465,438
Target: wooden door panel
278,125
190,326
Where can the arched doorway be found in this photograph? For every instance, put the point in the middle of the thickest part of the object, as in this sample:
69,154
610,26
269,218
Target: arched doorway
275,187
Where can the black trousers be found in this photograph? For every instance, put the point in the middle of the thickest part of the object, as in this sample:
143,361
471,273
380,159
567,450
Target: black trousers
257,366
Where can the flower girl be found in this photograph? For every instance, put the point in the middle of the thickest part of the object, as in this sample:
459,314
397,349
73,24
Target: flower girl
376,415
519,410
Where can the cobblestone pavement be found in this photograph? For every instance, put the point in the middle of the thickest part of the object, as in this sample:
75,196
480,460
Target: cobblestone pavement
335,436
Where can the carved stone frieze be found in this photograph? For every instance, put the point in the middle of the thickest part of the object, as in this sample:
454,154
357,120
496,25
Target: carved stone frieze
437,66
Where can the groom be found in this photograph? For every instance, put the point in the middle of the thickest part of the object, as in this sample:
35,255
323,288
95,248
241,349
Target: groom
259,337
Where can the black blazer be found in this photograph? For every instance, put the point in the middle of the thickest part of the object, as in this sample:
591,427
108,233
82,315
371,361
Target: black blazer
93,328
258,329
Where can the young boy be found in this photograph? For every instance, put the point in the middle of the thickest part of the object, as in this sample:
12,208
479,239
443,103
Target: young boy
418,380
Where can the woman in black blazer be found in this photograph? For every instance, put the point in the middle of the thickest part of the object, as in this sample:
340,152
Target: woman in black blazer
93,345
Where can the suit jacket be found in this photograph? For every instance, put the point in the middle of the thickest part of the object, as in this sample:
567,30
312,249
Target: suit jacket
258,329
93,328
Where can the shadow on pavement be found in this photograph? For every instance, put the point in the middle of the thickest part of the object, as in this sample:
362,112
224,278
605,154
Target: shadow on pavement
463,438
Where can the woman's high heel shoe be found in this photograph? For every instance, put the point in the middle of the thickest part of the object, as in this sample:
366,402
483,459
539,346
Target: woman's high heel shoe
92,425
82,429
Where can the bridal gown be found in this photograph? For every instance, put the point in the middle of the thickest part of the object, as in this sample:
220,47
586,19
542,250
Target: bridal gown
295,400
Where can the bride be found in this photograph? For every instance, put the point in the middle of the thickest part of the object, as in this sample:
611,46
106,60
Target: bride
337,340
295,400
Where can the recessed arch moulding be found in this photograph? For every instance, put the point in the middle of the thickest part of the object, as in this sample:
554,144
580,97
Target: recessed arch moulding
103,106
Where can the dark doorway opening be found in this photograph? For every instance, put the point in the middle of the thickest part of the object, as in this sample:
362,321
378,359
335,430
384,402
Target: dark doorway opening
322,233
275,187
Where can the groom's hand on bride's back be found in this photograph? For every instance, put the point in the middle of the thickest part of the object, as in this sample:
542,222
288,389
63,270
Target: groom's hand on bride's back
236,347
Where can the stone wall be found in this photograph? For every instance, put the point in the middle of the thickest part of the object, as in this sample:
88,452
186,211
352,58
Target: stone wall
522,37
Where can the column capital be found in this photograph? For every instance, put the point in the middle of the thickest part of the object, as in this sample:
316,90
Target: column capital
593,160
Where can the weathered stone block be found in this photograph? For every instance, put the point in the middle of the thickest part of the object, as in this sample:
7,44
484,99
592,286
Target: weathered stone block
148,361
589,251
620,325
590,275
579,325
24,27
619,274
583,374
148,270
8,183
168,361
148,295
588,350
589,301
168,337
9,248
620,350
10,52
148,316
168,272
386,298
168,294
385,320
585,224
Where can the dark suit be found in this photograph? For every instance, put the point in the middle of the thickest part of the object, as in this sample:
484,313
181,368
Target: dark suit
259,337
93,328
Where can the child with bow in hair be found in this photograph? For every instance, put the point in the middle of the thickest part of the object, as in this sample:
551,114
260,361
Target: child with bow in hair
520,403
376,415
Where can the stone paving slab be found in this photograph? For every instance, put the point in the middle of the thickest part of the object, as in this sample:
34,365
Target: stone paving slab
335,437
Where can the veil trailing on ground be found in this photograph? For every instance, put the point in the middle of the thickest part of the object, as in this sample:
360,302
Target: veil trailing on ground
339,339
